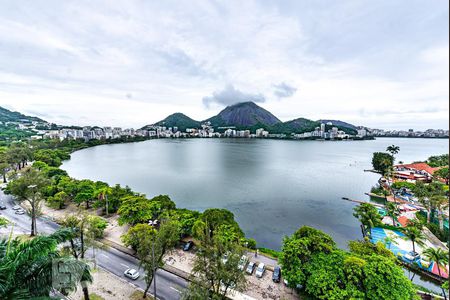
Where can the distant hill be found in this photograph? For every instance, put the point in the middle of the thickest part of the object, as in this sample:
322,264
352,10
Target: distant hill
244,115
338,123
249,115
13,116
179,120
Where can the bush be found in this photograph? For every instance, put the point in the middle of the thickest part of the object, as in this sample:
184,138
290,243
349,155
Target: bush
442,235
403,184
269,252
98,224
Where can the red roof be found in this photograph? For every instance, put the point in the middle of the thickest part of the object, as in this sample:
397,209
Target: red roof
403,220
421,166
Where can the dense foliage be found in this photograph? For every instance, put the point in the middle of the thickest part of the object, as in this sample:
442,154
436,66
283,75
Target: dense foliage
438,160
311,261
382,162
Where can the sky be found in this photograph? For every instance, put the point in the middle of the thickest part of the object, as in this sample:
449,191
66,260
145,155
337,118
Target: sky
381,64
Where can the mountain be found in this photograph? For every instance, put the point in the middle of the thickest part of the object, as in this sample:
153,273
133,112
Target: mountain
246,115
178,120
13,116
338,123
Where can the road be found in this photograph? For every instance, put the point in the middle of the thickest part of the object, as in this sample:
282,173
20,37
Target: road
169,286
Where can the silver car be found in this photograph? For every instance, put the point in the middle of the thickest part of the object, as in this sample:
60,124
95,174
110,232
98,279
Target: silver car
131,273
260,270
20,212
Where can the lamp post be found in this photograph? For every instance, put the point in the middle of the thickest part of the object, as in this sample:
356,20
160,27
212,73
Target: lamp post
153,223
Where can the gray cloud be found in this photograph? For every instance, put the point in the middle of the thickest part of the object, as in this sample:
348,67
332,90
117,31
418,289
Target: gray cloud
283,90
229,95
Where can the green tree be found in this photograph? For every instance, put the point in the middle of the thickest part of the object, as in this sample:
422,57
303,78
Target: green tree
153,246
442,173
28,188
4,164
299,248
392,211
3,222
440,258
58,201
368,215
214,217
135,209
414,235
185,217
213,274
26,267
382,162
137,233
85,192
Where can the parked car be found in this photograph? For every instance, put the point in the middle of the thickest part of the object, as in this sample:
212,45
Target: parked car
2,206
250,267
131,273
188,246
242,262
20,212
17,207
276,274
260,270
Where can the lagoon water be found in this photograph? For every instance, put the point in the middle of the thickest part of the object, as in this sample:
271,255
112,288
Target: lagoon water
272,186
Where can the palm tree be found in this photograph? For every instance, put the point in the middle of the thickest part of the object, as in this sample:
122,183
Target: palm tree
368,215
26,267
392,149
389,240
439,257
392,211
415,235
440,202
422,192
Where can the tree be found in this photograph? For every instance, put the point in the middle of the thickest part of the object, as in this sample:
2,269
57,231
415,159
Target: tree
4,164
3,222
84,229
440,258
299,248
392,211
135,209
26,267
137,233
102,195
423,193
185,217
152,247
213,275
84,192
382,162
440,202
368,215
393,150
58,200
28,188
214,217
414,235
442,173
18,154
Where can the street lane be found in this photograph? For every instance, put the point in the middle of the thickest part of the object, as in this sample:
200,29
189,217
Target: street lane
169,286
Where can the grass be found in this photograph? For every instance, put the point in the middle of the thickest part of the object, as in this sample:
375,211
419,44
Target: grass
269,252
137,295
94,296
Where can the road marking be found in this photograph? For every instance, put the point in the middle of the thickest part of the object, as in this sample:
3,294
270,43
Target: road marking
123,265
175,289
104,255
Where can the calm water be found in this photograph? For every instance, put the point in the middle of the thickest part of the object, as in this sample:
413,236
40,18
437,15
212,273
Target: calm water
273,187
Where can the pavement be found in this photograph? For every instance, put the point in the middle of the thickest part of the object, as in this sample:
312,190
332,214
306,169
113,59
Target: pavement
169,286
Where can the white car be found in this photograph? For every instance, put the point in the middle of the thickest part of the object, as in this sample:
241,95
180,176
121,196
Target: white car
242,262
260,270
20,212
17,207
131,273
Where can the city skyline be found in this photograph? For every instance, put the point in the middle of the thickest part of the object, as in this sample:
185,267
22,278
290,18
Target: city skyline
132,64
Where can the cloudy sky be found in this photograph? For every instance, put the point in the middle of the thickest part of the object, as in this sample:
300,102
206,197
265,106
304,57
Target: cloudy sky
377,63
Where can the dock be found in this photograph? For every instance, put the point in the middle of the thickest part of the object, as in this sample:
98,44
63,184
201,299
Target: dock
361,201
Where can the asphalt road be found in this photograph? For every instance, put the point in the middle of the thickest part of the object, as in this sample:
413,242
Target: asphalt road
169,286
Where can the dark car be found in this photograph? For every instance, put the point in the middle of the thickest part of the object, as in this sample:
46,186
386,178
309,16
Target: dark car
188,246
276,274
2,206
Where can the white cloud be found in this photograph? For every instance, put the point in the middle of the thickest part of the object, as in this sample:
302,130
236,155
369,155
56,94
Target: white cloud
132,63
